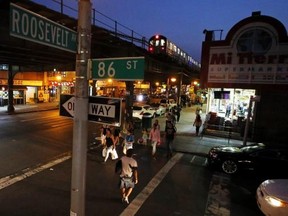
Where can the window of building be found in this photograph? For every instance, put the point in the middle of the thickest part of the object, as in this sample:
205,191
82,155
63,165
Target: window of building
256,40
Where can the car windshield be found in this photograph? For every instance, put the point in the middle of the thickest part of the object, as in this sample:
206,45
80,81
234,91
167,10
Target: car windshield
137,108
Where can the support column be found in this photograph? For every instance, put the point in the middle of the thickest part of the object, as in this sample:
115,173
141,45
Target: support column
11,75
129,101
179,88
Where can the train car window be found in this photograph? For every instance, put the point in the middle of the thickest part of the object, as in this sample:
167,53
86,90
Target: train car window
162,42
157,43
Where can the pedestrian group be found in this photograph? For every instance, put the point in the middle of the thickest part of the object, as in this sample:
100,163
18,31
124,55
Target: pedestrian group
127,166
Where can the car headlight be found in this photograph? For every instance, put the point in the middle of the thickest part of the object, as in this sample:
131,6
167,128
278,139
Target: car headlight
140,98
275,202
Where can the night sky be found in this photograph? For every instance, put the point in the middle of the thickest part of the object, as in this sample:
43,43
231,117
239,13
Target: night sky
182,21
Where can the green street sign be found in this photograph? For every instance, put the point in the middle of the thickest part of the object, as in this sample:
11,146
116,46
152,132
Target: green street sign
30,26
127,68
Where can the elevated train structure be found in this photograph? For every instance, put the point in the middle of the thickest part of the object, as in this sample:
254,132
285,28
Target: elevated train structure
29,56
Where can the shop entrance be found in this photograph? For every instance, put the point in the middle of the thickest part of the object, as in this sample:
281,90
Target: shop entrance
227,110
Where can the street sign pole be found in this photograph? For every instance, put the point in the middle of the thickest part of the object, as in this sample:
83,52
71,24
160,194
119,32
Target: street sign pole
80,128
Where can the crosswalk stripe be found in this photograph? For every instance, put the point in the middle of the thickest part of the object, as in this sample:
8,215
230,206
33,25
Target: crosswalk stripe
9,180
218,200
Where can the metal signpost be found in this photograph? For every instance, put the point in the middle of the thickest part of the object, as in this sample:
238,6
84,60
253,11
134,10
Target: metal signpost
103,110
126,68
30,26
80,127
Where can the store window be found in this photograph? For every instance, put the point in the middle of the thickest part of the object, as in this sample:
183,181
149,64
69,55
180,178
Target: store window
230,103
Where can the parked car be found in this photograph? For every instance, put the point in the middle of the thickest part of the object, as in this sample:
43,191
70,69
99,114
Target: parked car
140,110
254,157
272,197
169,104
160,110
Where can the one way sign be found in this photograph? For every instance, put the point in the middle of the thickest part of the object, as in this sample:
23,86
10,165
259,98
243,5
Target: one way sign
104,110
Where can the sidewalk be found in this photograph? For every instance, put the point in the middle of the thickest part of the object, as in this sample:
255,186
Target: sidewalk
30,107
185,140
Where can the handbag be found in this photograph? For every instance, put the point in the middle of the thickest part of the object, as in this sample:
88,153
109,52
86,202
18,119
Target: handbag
114,154
104,152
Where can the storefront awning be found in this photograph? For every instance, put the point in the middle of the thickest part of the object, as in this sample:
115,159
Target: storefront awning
5,87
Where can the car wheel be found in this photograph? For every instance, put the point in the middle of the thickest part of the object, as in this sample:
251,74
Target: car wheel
229,167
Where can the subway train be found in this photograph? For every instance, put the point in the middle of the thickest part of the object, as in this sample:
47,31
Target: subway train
159,44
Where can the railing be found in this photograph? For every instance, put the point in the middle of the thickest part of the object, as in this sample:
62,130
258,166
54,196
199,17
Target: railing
100,20
228,132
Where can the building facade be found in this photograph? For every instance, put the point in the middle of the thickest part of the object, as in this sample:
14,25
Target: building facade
251,62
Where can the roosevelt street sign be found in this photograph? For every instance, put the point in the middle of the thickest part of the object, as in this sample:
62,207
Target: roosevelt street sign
104,110
125,68
31,26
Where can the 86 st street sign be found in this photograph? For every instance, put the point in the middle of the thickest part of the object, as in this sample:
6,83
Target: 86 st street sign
126,68
104,110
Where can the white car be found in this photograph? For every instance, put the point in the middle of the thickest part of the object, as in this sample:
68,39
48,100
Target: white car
159,109
140,110
272,197
168,104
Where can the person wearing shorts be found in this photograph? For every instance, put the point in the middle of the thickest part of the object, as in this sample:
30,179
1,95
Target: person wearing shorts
128,175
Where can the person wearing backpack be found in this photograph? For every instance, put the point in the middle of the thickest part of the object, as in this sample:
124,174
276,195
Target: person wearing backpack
170,131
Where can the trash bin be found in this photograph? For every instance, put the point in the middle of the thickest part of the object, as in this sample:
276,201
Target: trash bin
137,123
146,121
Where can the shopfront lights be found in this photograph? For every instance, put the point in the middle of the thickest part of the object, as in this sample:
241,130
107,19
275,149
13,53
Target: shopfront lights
173,79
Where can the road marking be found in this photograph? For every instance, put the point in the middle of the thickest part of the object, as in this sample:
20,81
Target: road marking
198,160
218,201
12,179
136,204
193,158
37,118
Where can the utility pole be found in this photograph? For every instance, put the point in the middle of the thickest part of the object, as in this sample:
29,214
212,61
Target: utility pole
80,127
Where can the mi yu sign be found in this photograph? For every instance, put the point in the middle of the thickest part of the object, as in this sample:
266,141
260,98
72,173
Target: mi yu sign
33,27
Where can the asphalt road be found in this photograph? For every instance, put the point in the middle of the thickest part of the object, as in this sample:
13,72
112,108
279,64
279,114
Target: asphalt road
35,162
